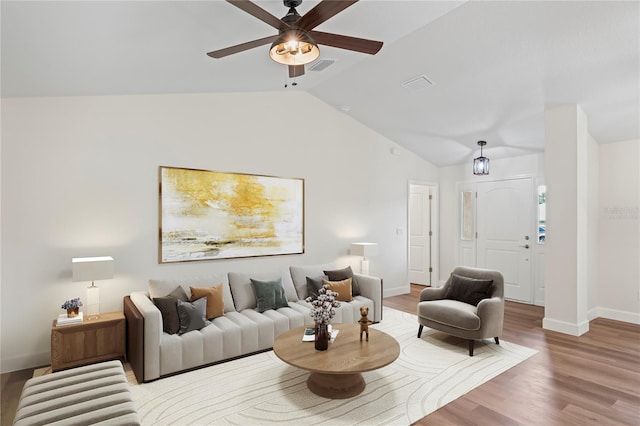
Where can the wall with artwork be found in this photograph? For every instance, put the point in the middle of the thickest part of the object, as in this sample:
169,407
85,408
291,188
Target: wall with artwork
80,178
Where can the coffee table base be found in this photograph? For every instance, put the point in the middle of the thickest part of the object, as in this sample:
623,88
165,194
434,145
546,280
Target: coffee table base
336,386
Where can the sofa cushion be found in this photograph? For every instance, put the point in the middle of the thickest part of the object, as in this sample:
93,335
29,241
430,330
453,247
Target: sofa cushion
343,274
468,290
215,300
314,284
343,288
159,288
243,294
299,276
192,315
269,294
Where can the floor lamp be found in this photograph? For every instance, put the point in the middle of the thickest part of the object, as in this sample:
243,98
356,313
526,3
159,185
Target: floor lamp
364,250
92,269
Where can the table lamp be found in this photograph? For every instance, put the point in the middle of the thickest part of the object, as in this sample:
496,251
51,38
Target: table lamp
92,269
364,250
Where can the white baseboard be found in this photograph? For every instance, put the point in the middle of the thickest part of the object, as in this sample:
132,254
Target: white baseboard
396,291
572,329
26,361
613,314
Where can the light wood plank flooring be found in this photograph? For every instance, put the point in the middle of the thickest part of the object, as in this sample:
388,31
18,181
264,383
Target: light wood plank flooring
591,379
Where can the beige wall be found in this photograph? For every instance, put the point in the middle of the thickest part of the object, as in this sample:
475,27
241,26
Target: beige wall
80,178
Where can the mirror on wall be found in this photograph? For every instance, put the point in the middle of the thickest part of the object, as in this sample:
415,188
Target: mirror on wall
542,215
466,216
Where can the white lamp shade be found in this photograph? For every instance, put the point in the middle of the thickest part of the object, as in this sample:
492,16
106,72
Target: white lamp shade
92,268
364,249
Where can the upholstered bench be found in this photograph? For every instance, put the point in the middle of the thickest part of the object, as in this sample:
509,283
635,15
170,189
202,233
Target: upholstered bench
94,394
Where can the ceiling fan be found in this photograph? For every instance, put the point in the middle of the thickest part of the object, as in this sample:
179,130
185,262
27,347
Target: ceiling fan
296,43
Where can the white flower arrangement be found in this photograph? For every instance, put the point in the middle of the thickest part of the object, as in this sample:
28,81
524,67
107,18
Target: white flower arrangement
324,307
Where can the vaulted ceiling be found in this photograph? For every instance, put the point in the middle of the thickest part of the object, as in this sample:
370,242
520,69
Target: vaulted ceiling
485,70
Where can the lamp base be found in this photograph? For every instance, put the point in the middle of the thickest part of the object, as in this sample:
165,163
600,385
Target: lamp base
364,267
92,311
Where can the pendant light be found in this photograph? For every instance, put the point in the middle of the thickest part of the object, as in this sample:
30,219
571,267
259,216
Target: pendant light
481,164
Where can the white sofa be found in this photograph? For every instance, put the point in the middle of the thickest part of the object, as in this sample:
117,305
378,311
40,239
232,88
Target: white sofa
242,330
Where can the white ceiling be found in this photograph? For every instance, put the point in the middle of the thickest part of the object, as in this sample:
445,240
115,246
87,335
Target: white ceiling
495,65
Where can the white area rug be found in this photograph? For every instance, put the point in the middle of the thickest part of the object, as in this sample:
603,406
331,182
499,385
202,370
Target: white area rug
261,389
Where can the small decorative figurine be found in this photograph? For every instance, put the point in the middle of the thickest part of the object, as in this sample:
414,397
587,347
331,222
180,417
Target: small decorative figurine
364,322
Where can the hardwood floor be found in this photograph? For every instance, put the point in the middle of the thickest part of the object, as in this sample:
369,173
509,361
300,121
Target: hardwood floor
591,379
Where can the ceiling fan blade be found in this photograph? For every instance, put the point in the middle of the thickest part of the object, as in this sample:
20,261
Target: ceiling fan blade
356,44
324,10
241,47
255,10
296,71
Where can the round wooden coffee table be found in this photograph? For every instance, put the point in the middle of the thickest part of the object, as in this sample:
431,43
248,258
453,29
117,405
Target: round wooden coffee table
337,372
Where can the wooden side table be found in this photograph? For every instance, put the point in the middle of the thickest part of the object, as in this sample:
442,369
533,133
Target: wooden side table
91,341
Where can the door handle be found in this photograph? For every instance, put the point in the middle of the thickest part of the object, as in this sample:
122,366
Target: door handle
525,246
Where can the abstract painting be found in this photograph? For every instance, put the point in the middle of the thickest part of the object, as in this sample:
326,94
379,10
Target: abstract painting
208,215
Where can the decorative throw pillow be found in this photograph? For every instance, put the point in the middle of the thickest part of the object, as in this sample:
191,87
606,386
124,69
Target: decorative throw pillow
343,274
314,285
168,307
215,300
192,315
468,290
269,294
343,288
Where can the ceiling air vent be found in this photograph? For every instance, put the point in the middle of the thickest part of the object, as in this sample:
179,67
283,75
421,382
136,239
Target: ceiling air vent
417,83
320,64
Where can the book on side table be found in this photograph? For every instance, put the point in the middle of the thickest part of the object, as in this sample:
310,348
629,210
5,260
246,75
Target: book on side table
63,319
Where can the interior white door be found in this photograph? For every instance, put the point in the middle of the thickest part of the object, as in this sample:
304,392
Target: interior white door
419,234
504,239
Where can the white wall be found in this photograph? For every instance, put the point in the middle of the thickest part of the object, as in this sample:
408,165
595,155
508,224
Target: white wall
618,292
80,178
528,165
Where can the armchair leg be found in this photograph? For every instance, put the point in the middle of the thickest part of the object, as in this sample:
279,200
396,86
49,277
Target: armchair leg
420,330
471,344
497,340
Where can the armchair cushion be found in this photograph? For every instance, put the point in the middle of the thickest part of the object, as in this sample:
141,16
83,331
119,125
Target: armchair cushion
451,313
468,290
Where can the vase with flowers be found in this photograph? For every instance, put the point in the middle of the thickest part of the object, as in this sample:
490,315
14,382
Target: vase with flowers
72,306
323,308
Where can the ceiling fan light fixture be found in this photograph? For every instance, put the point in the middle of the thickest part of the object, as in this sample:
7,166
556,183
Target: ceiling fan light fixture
294,47
481,164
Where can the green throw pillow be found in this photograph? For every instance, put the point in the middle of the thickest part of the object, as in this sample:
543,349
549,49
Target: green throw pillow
269,294
314,285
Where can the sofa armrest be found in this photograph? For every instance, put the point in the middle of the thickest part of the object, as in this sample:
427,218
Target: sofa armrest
371,288
491,313
152,333
135,338
432,293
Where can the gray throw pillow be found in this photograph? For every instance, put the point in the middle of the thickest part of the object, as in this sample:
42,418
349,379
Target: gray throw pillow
192,315
314,285
343,274
468,290
269,294
168,308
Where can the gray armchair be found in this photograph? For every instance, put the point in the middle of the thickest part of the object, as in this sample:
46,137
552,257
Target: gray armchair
451,308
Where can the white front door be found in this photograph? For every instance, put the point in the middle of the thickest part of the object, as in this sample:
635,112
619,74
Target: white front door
504,238
420,234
